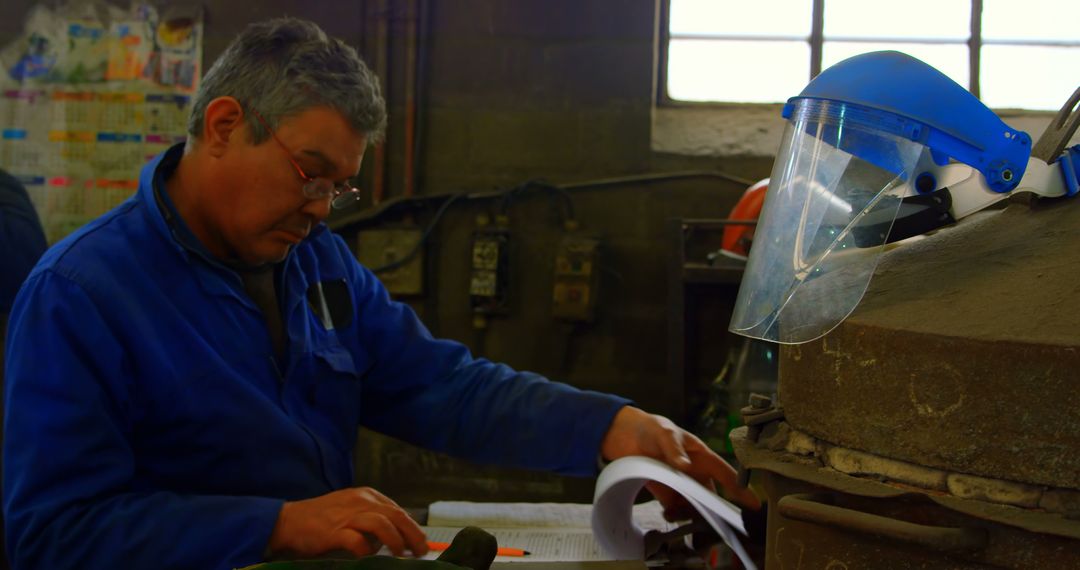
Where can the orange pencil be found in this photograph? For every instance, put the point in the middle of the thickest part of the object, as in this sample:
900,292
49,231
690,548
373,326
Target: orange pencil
502,551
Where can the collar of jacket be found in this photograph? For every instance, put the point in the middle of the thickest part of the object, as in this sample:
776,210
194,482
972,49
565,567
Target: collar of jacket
215,277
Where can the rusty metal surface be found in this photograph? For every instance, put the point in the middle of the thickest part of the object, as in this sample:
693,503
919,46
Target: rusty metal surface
795,544
807,469
964,354
813,473
820,509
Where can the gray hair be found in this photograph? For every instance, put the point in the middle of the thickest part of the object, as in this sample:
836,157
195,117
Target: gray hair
285,66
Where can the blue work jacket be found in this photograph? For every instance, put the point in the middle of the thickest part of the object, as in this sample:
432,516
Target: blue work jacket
22,240
149,424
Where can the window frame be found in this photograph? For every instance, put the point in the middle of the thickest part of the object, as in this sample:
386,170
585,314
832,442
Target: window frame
816,40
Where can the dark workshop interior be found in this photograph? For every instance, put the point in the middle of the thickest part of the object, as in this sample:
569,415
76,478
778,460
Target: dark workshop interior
948,399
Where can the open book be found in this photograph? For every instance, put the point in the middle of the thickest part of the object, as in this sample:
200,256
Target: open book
612,528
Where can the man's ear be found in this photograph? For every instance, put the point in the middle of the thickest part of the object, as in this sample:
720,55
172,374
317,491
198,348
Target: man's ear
223,121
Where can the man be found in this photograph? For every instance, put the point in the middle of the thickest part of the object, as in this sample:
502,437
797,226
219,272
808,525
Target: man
188,372
22,242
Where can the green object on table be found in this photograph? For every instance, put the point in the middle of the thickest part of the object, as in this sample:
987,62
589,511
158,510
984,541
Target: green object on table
472,549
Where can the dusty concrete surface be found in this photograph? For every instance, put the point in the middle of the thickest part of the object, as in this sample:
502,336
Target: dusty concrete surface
1003,276
964,354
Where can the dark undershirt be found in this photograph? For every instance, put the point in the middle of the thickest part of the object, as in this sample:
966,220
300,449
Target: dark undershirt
260,286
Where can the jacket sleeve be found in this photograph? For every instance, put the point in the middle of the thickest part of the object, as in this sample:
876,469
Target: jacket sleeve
68,456
21,238
433,393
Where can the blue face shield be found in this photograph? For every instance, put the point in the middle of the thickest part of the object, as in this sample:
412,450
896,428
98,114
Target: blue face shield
836,188
878,148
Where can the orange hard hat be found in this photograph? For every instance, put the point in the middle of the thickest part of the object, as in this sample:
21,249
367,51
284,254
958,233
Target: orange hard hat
736,240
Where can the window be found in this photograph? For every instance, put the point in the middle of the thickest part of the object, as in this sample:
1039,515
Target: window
1011,54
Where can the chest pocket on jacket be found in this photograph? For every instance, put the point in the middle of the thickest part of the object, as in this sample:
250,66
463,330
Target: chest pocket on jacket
331,302
334,391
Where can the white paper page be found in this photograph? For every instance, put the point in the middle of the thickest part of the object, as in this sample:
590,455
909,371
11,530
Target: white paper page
726,533
621,482
648,515
509,515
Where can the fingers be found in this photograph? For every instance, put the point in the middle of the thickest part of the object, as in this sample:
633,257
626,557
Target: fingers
355,542
676,507
410,531
635,432
374,529
389,523
372,497
367,532
669,439
358,520
686,452
707,463
747,498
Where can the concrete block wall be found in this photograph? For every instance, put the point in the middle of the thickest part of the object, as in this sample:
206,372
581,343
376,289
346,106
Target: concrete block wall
563,91
516,90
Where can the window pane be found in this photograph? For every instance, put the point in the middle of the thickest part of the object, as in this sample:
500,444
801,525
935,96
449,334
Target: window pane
930,19
1055,20
737,71
741,18
950,59
1028,77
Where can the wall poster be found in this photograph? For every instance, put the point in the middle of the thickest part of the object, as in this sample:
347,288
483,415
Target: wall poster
88,93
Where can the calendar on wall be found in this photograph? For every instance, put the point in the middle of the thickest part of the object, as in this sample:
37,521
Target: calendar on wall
88,94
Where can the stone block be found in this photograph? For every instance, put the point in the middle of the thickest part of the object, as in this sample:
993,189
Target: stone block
994,490
800,443
1065,501
861,463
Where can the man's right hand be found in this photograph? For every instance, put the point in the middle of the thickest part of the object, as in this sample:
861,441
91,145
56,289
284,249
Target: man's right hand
349,520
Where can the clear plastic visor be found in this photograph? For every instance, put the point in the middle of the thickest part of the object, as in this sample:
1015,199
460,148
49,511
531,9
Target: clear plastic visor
837,185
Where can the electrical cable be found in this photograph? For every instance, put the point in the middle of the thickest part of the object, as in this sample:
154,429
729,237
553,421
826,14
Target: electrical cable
423,238
374,213
517,191
371,215
662,177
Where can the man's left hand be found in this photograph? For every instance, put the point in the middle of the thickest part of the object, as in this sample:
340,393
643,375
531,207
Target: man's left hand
635,432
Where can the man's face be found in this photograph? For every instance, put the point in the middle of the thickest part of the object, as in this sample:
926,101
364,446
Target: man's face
260,210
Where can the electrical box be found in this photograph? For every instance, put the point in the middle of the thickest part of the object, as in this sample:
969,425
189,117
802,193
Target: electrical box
490,271
382,247
576,278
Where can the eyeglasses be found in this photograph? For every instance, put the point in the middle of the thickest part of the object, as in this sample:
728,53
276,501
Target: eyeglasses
341,193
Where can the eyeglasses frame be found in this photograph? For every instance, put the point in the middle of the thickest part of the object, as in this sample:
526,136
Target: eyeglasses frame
340,195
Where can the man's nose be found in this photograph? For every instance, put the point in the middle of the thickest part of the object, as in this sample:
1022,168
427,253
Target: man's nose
318,209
